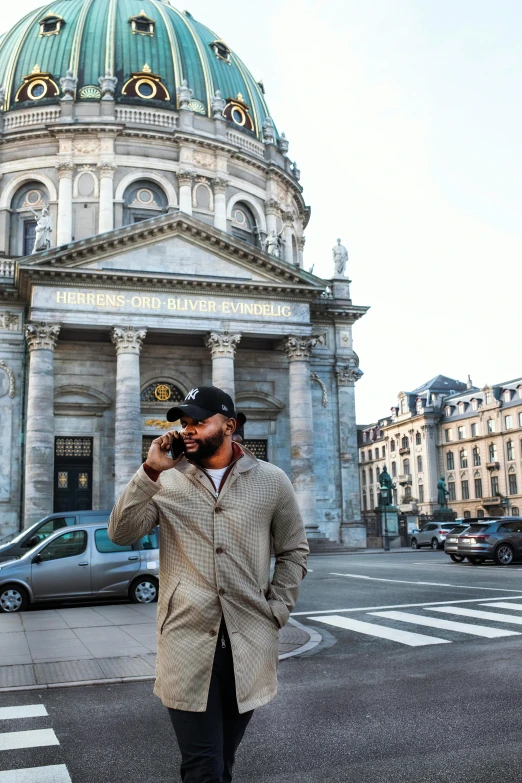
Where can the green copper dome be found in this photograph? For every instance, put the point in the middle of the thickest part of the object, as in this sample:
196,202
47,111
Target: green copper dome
131,39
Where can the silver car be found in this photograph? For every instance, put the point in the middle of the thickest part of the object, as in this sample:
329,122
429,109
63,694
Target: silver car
81,562
433,535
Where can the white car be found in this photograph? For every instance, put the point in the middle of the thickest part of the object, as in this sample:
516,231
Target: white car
433,535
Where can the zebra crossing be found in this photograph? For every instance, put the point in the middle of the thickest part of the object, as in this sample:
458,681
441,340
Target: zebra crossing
404,624
28,739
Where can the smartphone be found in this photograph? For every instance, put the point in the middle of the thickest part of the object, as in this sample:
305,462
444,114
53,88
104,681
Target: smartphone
177,448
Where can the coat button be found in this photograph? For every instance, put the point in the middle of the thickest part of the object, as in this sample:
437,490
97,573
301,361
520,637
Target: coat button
219,550
217,510
212,632
221,591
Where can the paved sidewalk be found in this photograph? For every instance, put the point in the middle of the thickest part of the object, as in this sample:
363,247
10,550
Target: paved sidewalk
86,644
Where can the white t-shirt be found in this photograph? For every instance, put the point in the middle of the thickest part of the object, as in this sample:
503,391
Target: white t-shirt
216,474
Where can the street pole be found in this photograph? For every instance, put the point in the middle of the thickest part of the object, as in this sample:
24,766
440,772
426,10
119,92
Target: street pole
386,539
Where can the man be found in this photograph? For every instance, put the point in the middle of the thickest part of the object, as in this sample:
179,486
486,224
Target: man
219,509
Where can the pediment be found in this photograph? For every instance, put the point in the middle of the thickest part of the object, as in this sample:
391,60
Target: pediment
173,246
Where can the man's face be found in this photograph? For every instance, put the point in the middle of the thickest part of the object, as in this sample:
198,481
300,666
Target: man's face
203,438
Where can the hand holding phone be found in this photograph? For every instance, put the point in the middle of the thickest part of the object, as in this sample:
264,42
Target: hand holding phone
165,451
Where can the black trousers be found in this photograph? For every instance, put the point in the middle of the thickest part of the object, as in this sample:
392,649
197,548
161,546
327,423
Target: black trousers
208,740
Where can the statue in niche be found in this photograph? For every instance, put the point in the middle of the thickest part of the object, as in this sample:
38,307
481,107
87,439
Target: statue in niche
44,229
442,493
108,86
274,244
340,257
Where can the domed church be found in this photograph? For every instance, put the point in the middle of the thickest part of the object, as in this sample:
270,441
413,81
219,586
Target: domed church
151,241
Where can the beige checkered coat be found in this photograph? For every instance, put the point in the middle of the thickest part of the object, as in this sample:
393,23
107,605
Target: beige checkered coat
214,559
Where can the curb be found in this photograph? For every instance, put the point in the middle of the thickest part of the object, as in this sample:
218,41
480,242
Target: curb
314,639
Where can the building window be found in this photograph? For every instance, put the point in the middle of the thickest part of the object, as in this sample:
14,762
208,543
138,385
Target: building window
29,236
491,425
406,466
394,469
372,503
376,453
384,451
142,24
487,398
392,442
370,455
365,436
508,422
448,435
476,457
467,515
451,490
363,477
362,456
447,410
419,464
478,488
403,405
370,475
513,484
418,439
244,224
221,50
494,486
463,458
143,200
405,442
461,433
507,395
514,511
450,460
365,501
510,448
464,486
473,430
480,513
492,452
474,405
161,392
51,25
461,407
421,493
520,419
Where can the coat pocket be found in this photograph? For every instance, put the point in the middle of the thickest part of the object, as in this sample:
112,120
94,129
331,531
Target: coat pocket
164,616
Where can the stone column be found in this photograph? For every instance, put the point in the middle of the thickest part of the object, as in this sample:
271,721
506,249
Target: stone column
299,350
222,346
220,204
106,219
64,230
353,532
185,179
127,438
300,250
272,211
39,438
287,233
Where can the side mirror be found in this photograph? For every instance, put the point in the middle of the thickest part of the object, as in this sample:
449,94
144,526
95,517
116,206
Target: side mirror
37,559
33,541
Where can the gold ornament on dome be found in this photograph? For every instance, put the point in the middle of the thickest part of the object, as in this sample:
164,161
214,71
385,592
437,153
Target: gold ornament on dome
162,392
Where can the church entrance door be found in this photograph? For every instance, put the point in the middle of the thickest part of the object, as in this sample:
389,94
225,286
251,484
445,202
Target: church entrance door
72,474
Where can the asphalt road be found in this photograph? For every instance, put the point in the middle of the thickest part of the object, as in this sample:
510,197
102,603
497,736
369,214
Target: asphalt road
388,698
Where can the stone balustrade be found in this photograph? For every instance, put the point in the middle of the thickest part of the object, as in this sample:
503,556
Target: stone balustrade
21,119
250,145
135,116
7,267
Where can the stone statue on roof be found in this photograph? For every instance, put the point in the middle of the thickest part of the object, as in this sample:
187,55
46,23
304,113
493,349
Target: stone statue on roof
340,257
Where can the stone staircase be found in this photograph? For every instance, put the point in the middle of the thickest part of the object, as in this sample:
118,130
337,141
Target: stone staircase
325,546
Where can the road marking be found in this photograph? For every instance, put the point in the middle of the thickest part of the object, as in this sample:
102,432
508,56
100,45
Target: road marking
448,625
38,738
403,606
381,631
505,605
57,773
26,711
498,618
431,584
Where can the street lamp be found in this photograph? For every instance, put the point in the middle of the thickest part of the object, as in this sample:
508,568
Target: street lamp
384,502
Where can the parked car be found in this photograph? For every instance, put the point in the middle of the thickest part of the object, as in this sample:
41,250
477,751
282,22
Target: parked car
15,545
433,535
81,563
451,540
492,539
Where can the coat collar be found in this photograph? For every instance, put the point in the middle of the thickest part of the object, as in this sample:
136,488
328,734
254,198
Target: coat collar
242,460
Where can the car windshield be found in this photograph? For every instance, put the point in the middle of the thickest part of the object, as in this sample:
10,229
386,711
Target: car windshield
448,527
473,529
459,528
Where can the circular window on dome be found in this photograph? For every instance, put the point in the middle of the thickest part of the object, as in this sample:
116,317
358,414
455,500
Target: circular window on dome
238,115
146,89
37,90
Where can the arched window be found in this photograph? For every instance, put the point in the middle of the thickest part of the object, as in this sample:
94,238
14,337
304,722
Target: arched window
463,458
406,466
467,515
421,492
370,475
376,453
244,224
405,442
372,502
476,457
510,448
418,439
419,464
370,454
450,460
143,200
363,474
514,511
492,453
491,425
384,451
362,456
480,513
392,445
394,469
365,501
31,196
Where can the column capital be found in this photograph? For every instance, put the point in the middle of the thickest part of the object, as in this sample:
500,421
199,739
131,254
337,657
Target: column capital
273,207
222,344
127,339
287,218
347,374
301,241
107,169
220,185
300,348
186,177
65,169
42,336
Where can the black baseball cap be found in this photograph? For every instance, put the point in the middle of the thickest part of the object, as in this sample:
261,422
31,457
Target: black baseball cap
203,402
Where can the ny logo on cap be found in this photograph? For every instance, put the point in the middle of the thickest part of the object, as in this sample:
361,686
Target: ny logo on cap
224,408
192,394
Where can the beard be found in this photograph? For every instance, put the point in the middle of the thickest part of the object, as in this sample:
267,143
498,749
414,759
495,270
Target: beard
207,448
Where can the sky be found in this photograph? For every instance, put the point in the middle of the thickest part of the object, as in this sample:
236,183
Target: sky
405,119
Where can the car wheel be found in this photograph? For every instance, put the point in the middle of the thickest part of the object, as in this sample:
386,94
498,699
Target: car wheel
457,558
474,560
434,543
504,554
13,598
414,544
144,591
